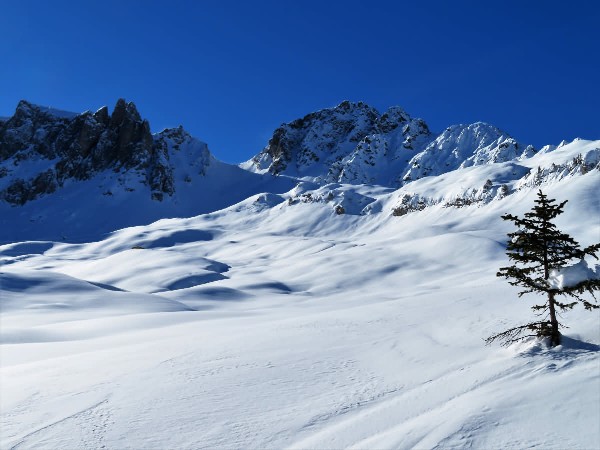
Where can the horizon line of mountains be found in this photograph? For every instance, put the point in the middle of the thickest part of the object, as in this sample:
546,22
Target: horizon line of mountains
41,149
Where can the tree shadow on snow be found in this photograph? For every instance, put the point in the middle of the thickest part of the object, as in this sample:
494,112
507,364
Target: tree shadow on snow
570,348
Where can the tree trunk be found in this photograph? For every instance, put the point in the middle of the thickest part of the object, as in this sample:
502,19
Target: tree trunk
554,333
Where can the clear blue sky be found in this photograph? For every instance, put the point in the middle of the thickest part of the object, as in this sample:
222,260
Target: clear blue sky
231,72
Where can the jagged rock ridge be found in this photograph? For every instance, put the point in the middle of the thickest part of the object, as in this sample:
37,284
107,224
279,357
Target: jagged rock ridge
41,150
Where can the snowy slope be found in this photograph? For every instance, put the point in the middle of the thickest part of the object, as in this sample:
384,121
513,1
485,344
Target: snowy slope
71,216
312,318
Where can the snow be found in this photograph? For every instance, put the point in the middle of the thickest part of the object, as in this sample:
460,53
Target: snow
23,169
462,146
344,144
270,323
566,152
570,276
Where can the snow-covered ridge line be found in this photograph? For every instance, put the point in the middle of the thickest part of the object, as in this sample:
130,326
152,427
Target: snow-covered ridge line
475,185
114,160
537,177
354,143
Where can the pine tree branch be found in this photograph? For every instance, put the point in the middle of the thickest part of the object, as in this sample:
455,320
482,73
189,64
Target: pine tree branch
516,333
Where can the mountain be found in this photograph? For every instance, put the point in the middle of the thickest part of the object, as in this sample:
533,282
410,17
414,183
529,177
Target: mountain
349,143
354,143
462,146
40,150
99,172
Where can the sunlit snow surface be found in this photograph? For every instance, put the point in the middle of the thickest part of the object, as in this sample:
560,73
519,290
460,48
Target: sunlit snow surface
273,325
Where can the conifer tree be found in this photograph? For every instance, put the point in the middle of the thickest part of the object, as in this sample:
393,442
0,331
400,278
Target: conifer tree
539,251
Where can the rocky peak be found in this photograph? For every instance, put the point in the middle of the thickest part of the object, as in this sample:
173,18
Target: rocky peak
41,148
460,146
351,142
381,157
25,110
392,119
178,135
102,116
124,112
303,146
29,111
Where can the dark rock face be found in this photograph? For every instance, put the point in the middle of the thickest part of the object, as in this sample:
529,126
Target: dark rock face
77,147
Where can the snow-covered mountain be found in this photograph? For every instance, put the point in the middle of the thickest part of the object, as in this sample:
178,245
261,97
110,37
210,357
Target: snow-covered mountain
98,172
350,143
462,146
354,143
41,150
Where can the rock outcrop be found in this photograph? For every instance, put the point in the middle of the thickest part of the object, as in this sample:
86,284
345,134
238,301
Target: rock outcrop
307,145
41,149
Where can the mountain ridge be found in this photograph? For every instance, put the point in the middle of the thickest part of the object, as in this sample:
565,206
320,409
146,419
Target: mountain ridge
354,143
78,146
101,171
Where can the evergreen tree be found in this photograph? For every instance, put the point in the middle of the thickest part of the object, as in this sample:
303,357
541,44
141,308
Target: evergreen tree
538,249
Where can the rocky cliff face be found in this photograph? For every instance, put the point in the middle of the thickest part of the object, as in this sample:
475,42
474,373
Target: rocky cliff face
380,157
42,149
354,143
319,139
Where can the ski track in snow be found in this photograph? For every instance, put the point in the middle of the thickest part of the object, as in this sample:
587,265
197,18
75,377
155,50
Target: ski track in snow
91,423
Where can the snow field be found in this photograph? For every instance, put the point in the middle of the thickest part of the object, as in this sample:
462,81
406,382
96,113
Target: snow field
266,325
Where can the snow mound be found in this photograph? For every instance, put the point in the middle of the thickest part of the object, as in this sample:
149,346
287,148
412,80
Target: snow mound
75,295
573,275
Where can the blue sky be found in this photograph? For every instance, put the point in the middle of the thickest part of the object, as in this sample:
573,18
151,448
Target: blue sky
231,72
